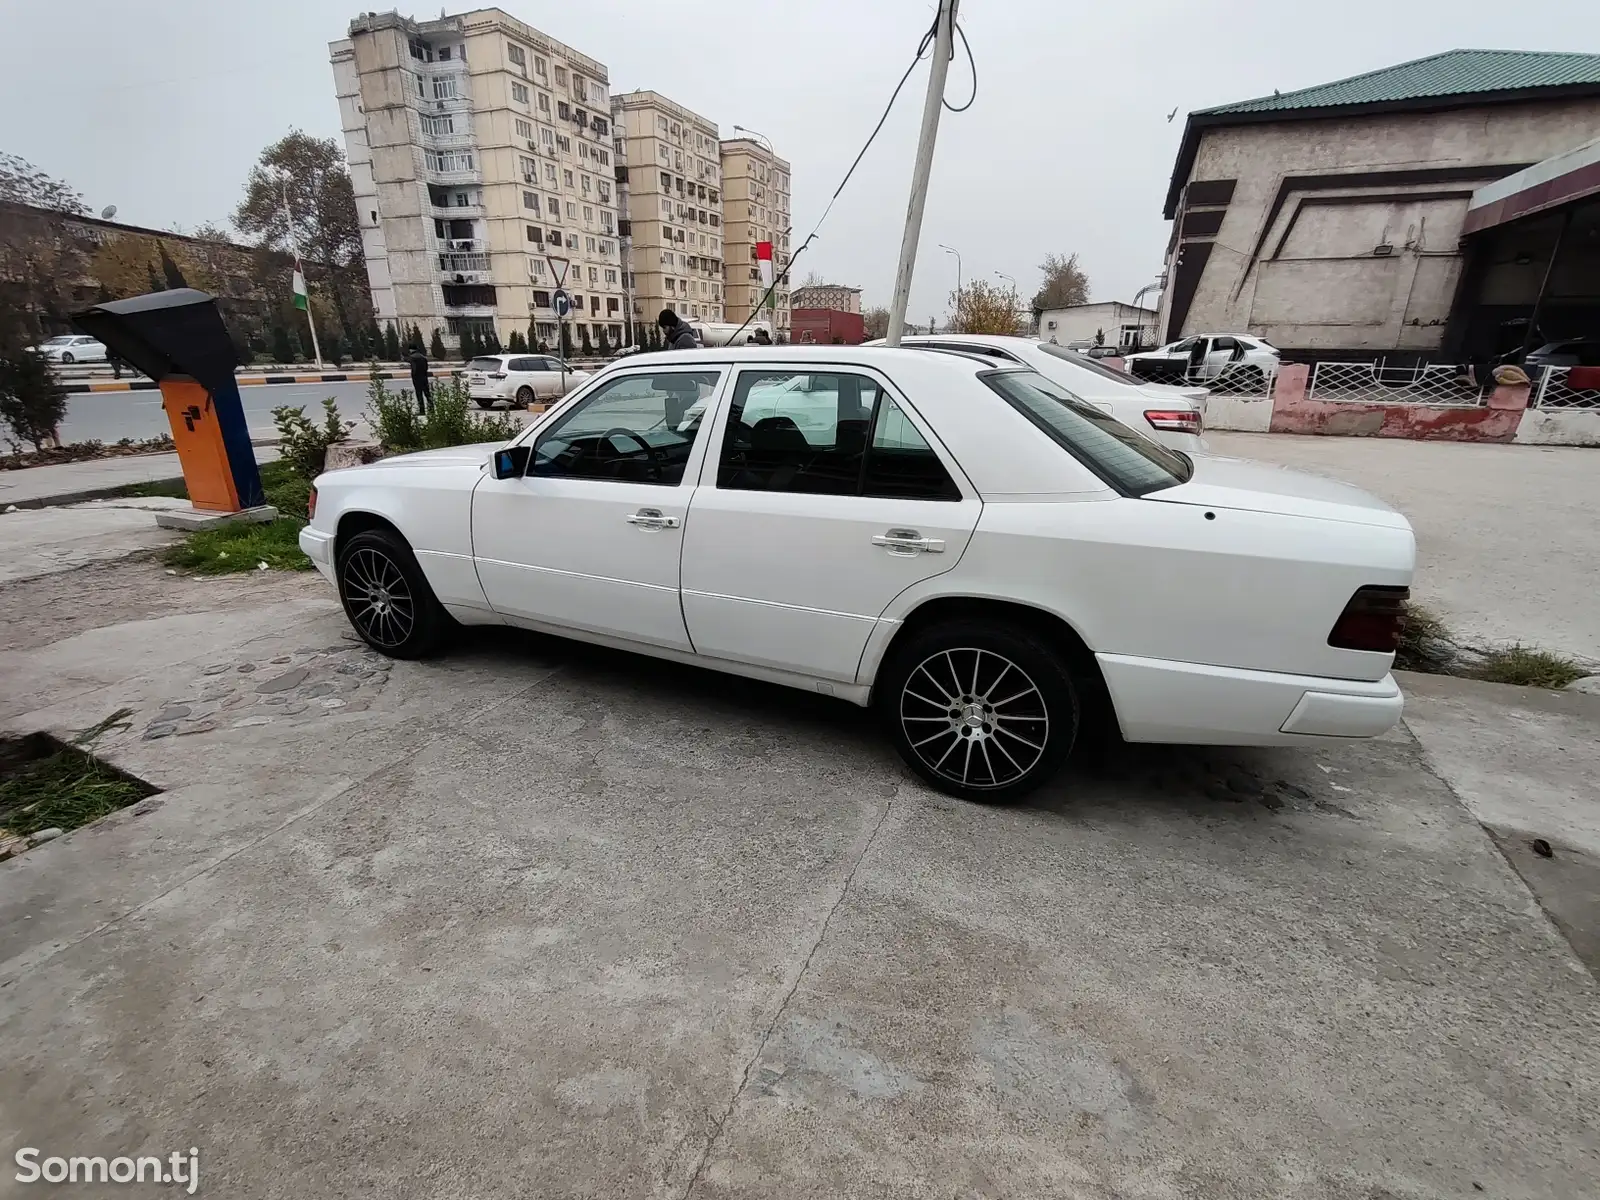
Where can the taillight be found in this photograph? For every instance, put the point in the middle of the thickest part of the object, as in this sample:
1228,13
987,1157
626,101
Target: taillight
497,375
1174,420
311,505
1373,620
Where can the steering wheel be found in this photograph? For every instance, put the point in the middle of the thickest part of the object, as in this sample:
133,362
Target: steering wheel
649,450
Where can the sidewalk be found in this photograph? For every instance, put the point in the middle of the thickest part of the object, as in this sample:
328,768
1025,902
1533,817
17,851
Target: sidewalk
68,483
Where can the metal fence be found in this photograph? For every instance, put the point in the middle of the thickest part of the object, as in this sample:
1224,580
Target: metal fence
1369,383
1247,383
1556,391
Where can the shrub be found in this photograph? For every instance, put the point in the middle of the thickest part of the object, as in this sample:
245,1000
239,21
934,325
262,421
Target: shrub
451,419
1528,668
396,424
303,445
515,343
391,343
436,346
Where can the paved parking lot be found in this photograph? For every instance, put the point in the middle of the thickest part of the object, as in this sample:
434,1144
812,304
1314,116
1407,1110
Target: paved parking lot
534,919
1507,536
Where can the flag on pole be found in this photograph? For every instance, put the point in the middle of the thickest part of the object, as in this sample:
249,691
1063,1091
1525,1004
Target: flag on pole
764,262
301,300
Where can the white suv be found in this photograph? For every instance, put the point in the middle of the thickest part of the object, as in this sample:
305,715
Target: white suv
1174,416
1235,362
519,379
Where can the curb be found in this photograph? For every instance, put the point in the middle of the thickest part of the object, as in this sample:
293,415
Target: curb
109,492
150,385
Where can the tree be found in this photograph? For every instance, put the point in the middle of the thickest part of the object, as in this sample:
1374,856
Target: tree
1065,283
981,307
534,340
333,347
23,183
491,342
391,344
602,345
374,339
584,344
414,338
876,321
566,340
436,346
515,343
812,279
326,230
1099,337
32,403
282,352
469,344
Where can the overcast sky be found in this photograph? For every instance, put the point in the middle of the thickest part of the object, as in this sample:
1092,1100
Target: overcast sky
161,106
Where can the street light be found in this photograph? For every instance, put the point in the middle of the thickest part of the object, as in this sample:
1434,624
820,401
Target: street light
957,253
1013,280
762,136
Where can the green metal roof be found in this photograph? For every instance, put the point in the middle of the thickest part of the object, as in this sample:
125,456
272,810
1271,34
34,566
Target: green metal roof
1453,73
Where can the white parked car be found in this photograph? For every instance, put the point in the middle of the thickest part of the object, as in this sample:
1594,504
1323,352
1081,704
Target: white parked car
1237,361
519,379
69,348
1174,416
991,562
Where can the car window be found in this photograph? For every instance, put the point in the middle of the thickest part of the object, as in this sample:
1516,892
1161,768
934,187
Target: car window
1224,343
637,429
527,364
484,364
1089,364
1182,347
1124,458
825,433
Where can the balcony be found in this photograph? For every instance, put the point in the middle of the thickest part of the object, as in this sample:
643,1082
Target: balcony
461,262
456,212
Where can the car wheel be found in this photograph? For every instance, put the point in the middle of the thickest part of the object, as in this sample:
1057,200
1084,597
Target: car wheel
980,710
483,403
66,357
386,596
524,396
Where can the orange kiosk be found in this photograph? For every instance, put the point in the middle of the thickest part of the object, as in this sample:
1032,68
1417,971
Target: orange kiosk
178,339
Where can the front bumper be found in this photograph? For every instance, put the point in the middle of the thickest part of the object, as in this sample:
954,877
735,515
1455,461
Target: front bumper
1192,703
318,547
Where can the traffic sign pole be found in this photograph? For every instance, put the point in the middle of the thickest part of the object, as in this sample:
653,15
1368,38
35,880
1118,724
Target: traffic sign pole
562,301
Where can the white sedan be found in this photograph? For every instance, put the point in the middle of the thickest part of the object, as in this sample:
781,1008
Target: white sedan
1236,361
992,563
519,379
1174,416
69,348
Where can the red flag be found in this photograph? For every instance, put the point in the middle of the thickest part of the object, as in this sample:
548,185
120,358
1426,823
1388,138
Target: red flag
764,250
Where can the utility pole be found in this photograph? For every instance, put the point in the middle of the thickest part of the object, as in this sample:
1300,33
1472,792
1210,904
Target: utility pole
931,107
300,270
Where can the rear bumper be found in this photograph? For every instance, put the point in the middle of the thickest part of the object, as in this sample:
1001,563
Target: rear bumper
492,391
1192,703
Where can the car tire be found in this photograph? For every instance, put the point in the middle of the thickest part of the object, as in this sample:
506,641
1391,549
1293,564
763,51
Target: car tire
386,596
991,737
484,403
524,396
67,358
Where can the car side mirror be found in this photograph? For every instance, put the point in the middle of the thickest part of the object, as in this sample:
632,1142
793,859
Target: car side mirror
511,463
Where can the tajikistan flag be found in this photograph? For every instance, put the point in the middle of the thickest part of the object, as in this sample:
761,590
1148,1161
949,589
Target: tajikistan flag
301,300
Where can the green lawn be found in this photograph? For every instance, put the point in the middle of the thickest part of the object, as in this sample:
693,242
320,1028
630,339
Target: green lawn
272,546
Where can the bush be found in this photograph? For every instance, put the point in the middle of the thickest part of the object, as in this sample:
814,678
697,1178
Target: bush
391,344
32,403
451,420
515,344
396,424
436,346
303,445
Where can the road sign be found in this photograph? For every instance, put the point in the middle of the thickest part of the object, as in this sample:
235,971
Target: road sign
562,301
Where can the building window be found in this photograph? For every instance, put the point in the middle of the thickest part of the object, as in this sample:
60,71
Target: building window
555,208
544,103
536,268
435,126
588,185
564,144
604,157
555,238
611,275
588,215
594,277
605,219
666,181
444,87
517,55
663,154
583,151
561,76
419,51
530,169
535,234
666,207
599,125
589,245
530,201
572,241
572,215
451,160
550,173
566,177
538,65
604,190
519,93
525,129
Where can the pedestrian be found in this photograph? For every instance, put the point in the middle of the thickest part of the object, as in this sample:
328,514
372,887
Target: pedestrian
761,338
675,330
421,381
116,364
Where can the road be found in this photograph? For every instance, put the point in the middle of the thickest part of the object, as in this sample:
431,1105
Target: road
111,416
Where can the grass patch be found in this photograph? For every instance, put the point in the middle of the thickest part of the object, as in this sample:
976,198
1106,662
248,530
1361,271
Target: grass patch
1528,668
240,546
1425,643
47,784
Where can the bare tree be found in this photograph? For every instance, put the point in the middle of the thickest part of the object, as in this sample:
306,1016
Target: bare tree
23,183
876,321
1065,283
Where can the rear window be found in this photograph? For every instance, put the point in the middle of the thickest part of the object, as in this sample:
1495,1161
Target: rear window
1123,457
1089,364
484,364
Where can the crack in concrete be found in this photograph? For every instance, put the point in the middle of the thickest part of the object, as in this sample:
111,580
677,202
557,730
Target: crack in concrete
755,1057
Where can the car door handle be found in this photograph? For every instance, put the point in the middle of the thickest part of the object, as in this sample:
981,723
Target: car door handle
908,541
651,518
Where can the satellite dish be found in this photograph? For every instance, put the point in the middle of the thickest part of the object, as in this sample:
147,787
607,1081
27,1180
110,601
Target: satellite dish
108,212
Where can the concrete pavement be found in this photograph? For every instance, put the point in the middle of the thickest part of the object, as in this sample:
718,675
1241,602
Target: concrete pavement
1506,535
44,541
532,918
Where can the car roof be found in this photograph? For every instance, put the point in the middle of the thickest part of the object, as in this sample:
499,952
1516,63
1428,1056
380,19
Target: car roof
890,360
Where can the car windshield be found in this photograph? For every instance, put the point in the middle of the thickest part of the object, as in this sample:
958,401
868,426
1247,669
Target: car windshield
64,339
485,364
1089,364
1123,457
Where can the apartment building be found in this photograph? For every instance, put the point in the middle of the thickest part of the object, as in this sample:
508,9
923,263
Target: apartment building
673,169
835,296
755,209
480,153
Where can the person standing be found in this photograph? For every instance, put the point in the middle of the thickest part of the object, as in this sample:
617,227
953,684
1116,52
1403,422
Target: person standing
675,330
421,381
